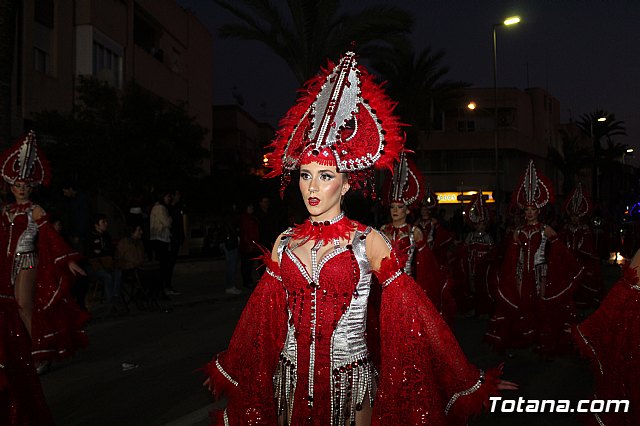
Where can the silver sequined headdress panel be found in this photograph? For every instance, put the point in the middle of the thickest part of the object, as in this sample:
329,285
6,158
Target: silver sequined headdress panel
24,162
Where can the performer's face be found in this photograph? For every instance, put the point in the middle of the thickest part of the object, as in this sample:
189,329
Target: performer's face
398,212
425,213
322,188
531,214
22,191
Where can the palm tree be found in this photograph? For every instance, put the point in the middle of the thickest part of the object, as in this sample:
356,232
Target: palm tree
8,13
570,161
416,80
306,32
597,129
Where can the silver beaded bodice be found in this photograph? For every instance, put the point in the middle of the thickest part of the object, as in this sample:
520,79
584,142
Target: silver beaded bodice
353,374
25,254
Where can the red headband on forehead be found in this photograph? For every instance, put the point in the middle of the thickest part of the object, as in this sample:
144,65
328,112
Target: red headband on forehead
342,118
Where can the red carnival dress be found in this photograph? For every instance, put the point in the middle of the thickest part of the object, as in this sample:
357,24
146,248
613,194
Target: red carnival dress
22,402
302,339
579,239
610,339
534,294
57,321
420,263
475,257
438,239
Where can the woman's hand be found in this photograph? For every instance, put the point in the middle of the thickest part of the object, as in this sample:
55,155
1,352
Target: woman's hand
207,384
38,213
549,232
76,269
507,385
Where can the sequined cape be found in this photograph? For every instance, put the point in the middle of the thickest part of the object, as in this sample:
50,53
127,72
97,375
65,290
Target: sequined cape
541,311
57,324
610,339
22,402
423,376
424,268
579,239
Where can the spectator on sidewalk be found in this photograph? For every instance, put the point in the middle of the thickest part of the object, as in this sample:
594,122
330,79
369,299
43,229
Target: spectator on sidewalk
99,250
130,257
76,215
249,240
160,236
229,246
176,211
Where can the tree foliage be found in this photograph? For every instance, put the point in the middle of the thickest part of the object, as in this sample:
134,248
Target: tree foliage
304,33
570,161
114,142
417,81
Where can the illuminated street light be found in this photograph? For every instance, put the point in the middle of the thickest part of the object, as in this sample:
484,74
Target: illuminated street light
512,20
471,105
629,150
601,119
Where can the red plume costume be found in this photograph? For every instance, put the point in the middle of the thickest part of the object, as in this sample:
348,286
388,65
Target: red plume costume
578,236
475,255
56,326
302,350
609,339
534,296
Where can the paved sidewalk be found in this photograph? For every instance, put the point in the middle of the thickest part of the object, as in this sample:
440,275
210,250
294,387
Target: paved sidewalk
198,280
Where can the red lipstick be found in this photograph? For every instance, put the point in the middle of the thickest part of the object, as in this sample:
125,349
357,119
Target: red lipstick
313,201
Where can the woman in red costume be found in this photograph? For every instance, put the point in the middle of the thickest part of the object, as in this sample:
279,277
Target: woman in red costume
578,237
610,340
534,295
37,264
403,191
438,238
302,337
475,257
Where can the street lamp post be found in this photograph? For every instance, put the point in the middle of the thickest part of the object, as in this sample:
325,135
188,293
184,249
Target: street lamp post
596,152
509,21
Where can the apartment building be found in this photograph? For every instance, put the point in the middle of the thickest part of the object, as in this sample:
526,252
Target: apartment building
459,155
156,43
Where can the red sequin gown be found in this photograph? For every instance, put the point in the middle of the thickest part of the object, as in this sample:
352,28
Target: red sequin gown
302,339
475,256
421,264
438,239
57,322
579,239
610,339
534,294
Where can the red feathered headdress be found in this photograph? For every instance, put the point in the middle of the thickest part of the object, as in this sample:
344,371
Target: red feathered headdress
477,210
578,203
406,183
342,118
24,161
535,189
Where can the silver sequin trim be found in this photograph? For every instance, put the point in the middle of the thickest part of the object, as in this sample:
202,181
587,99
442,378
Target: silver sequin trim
225,374
584,339
469,391
225,417
273,274
391,279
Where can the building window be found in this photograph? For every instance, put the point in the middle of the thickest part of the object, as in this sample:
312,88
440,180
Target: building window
43,12
40,60
107,64
466,126
147,34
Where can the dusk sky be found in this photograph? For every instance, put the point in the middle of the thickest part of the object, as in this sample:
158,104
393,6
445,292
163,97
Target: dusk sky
586,53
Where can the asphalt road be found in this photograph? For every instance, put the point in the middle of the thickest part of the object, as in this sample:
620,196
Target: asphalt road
168,348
